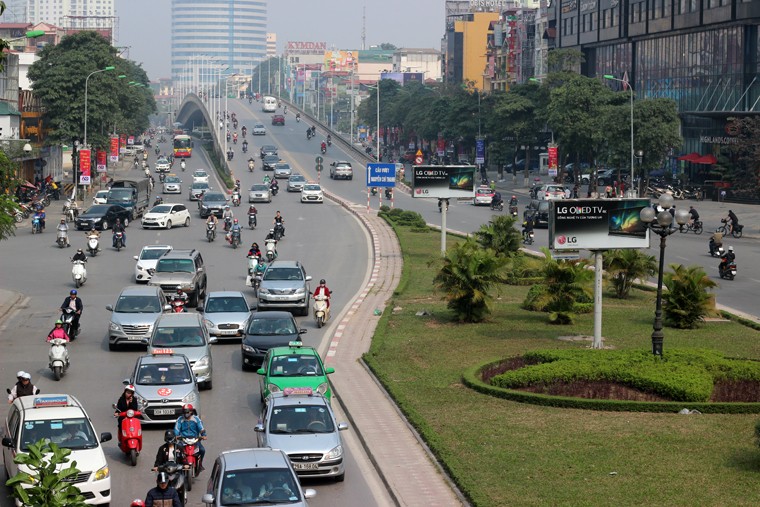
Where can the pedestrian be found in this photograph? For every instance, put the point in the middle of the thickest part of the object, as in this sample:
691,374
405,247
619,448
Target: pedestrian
576,188
722,196
567,193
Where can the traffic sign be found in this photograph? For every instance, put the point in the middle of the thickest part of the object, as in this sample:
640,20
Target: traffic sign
319,160
319,166
381,175
84,179
418,160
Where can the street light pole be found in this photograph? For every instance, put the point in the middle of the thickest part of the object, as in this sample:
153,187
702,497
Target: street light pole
633,158
86,83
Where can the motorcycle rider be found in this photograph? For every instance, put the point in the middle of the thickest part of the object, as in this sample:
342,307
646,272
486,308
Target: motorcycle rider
322,290
236,188
58,332
279,220
23,387
227,216
64,227
118,227
159,200
298,116
75,304
167,452
234,138
527,225
329,139
162,495
40,214
728,258
513,201
733,221
496,200
126,401
308,132
245,131
79,256
323,146
245,146
270,237
254,251
274,186
252,210
313,130
235,228
190,425
180,296
716,241
212,220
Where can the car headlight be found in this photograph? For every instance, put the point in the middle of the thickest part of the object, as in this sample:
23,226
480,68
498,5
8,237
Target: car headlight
141,402
208,323
141,268
273,388
262,290
249,349
191,397
334,453
322,389
103,473
202,362
113,326
96,219
300,290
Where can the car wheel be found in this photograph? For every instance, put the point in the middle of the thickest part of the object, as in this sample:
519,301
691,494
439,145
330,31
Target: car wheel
105,225
208,385
168,224
187,222
126,223
111,346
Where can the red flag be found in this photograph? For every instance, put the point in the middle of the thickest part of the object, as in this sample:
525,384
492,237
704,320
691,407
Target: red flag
625,80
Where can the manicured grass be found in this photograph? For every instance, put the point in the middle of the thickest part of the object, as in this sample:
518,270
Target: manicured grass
506,453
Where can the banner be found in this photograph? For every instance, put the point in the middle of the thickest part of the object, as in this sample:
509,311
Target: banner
123,143
443,182
84,166
441,147
114,152
597,224
102,165
480,151
131,141
553,160
341,61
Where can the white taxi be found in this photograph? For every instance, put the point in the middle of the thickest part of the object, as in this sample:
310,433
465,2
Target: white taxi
60,419
166,216
312,193
200,176
163,165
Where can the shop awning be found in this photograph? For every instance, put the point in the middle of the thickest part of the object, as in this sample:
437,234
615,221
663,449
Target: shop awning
691,157
706,160
28,184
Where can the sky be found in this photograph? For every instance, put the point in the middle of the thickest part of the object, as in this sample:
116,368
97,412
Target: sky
145,26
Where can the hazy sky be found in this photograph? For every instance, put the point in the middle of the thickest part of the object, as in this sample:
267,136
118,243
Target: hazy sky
145,26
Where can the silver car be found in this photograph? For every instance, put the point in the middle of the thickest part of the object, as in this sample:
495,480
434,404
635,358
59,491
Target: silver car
134,314
259,193
185,333
296,183
226,314
172,185
282,170
303,425
285,285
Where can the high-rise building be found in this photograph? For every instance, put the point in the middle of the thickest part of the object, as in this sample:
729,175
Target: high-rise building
232,33
55,12
271,45
15,11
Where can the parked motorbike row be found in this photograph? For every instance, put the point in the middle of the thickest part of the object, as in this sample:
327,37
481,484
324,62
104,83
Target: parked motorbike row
658,187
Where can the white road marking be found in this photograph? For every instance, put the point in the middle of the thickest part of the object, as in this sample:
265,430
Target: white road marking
756,281
682,258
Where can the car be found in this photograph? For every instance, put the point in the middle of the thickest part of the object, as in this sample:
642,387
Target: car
278,119
60,419
163,165
186,333
237,476
166,215
539,210
197,190
296,182
282,170
285,285
269,161
146,261
134,314
550,191
267,330
164,382
181,269
609,176
212,202
259,130
226,314
100,197
341,169
483,196
294,366
303,425
312,193
139,147
409,155
519,166
259,193
267,149
172,185
200,176
102,217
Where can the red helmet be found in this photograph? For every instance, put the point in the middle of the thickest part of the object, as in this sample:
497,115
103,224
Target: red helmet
188,407
137,503
236,220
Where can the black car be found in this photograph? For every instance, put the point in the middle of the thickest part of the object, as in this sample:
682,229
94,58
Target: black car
266,330
103,216
212,202
539,210
267,149
269,162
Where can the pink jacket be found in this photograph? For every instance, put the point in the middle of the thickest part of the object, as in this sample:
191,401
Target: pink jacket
58,332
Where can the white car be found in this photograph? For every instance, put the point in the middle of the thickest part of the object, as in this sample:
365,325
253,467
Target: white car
549,192
146,261
163,165
312,193
200,176
172,185
166,216
282,170
100,197
259,130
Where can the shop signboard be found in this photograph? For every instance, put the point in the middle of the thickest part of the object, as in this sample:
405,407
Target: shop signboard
443,182
597,224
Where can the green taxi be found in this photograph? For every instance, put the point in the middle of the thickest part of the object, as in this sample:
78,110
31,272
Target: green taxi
296,366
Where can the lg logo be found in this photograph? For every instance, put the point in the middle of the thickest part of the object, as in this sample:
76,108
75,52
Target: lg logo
564,240
421,191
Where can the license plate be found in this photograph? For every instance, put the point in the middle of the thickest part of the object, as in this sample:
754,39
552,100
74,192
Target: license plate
134,338
228,331
306,466
164,411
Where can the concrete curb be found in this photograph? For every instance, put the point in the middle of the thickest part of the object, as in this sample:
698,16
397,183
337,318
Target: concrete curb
9,301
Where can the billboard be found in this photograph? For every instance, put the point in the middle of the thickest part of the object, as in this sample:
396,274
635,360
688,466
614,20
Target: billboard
443,181
341,61
381,175
597,224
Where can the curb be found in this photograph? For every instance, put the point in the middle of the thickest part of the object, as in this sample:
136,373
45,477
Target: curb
8,307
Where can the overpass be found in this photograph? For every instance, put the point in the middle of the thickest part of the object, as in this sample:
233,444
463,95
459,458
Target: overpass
192,113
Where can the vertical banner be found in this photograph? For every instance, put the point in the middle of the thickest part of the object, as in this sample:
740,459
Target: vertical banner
114,152
123,143
101,161
553,160
480,151
84,166
441,146
131,141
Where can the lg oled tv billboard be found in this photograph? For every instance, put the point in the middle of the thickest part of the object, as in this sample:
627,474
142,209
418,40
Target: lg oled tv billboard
443,181
597,224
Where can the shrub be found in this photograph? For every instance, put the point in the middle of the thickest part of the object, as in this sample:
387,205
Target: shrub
627,265
405,218
687,302
500,236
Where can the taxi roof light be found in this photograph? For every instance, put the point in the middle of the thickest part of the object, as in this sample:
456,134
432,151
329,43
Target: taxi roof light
295,344
297,390
162,352
51,401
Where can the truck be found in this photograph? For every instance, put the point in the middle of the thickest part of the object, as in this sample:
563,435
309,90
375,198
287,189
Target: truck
133,194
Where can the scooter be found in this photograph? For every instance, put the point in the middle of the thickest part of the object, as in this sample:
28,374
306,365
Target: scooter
252,220
274,187
727,270
176,473
210,232
36,225
182,165
78,273
271,251
440,205
58,357
130,434
62,239
235,238
373,191
178,305
279,231
329,142
321,310
236,199
118,240
245,147
388,194
67,316
70,210
528,237
93,244
227,224
498,206
716,251
191,458
513,211
253,262
250,165
323,149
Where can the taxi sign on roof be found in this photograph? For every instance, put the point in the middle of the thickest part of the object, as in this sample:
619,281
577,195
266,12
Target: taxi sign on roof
295,344
51,401
159,352
297,390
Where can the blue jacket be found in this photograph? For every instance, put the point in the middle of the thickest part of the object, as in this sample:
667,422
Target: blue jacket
192,427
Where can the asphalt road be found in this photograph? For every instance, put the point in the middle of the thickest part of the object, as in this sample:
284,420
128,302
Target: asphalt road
33,265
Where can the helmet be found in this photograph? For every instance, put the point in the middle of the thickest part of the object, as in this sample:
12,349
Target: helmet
20,374
162,477
59,321
26,376
169,435
79,250
137,503
73,292
730,249
235,221
322,282
513,197
63,220
118,220
129,387
179,291
227,207
187,406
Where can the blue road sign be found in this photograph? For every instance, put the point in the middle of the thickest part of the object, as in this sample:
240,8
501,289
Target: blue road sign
381,175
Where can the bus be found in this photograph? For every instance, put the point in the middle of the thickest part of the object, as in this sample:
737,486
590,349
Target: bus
183,146
269,104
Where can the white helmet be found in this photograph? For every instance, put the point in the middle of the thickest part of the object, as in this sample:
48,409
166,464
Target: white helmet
730,249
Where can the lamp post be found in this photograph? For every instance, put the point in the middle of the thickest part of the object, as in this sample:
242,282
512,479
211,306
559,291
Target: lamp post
626,83
86,83
662,224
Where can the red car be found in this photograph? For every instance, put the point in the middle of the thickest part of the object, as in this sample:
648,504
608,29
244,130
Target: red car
278,119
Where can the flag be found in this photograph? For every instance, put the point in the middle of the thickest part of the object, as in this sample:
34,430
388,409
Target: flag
625,80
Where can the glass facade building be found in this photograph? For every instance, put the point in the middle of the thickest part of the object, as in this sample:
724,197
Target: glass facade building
231,32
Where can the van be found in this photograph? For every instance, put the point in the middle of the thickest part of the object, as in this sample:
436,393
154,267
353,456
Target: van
269,104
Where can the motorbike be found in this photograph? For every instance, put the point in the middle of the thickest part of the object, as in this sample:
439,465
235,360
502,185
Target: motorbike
118,240
78,273
373,191
178,305
227,224
323,149
279,231
58,357
308,134
93,244
298,118
716,251
235,239
321,310
70,210
271,248
18,216
177,480
182,165
513,210
388,194
727,270
210,232
253,262
158,200
236,199
191,454
130,434
147,172
499,206
329,142
528,237
36,225
67,316
250,165
62,239
252,220
234,140
158,150
230,155
274,187
440,205
161,177
245,147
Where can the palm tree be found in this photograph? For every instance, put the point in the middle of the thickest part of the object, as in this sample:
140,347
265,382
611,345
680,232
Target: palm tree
467,274
500,236
627,265
566,283
687,301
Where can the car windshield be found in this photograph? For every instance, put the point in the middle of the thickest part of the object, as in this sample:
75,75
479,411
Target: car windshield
260,188
482,191
173,337
312,187
76,433
269,327
164,208
283,274
271,158
99,209
295,365
297,177
213,197
150,254
231,304
171,179
301,419
175,266
200,185
258,126
161,374
259,486
101,194
120,194
162,160
200,174
138,304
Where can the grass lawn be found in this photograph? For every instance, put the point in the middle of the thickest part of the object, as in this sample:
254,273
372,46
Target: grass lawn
504,453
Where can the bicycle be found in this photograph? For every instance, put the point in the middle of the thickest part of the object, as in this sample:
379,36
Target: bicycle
696,227
736,231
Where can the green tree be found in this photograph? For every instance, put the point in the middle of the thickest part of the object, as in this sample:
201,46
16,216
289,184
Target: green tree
566,285
627,265
467,275
45,484
8,206
500,236
742,167
687,302
387,46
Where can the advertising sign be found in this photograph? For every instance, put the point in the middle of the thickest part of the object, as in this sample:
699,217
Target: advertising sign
597,224
131,141
480,151
443,181
101,161
381,175
341,61
553,160
84,166
441,146
123,143
114,151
